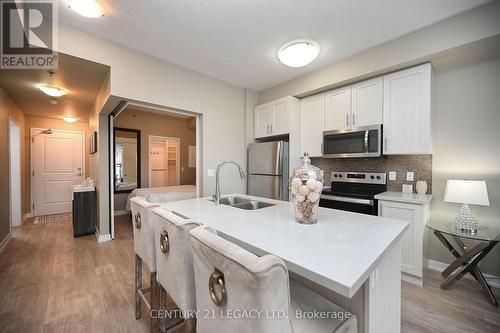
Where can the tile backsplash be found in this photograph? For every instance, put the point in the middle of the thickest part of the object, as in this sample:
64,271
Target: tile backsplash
420,164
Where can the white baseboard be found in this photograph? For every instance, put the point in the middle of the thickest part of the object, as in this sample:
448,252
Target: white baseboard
26,216
121,212
493,281
102,238
5,241
412,279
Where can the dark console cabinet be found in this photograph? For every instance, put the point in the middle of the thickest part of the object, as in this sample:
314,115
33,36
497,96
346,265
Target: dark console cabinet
84,213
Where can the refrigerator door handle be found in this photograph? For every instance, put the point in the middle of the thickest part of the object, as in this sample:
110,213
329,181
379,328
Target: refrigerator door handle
278,158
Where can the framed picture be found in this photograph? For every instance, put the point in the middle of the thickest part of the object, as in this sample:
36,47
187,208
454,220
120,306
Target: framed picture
93,142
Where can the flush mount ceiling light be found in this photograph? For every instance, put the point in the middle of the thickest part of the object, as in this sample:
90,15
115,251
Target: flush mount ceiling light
87,8
53,91
69,119
298,53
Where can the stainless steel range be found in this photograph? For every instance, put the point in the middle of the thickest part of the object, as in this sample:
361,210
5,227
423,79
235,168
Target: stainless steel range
354,191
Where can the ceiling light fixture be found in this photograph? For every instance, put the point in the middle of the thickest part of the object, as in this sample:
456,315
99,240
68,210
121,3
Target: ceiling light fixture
53,91
298,53
87,8
69,119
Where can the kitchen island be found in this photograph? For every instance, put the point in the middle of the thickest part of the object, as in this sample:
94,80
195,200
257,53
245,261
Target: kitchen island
352,259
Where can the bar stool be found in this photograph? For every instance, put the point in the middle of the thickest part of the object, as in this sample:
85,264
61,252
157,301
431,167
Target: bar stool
175,263
244,293
144,249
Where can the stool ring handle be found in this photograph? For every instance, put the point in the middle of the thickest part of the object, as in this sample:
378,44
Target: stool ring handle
217,278
164,242
138,220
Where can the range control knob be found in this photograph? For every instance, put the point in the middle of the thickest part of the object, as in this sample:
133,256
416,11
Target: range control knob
340,176
372,177
378,177
335,175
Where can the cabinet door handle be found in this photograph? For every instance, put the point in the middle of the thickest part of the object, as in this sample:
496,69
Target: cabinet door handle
385,144
347,120
267,128
353,119
271,128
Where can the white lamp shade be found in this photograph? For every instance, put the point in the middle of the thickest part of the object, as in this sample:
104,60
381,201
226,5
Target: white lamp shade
472,192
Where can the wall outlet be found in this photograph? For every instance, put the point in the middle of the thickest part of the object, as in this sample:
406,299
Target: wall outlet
392,175
410,176
407,188
210,172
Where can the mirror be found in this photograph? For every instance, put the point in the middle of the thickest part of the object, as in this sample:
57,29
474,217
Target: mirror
127,162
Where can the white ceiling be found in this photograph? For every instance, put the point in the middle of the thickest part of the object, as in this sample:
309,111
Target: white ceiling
237,40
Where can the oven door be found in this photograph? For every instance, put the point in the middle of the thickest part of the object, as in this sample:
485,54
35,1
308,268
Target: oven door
363,206
356,142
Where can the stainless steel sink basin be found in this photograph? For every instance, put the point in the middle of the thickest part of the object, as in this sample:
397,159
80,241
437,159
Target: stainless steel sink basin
253,205
244,203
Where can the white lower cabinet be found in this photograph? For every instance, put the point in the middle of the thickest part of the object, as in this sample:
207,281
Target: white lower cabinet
412,242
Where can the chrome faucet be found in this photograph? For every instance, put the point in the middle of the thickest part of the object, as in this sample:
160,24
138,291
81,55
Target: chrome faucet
217,195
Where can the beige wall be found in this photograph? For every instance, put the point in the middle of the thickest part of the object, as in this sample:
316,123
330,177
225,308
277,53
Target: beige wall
161,125
10,110
466,145
136,76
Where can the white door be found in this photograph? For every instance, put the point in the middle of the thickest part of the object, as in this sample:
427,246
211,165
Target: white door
15,174
280,118
367,102
312,123
262,127
57,163
338,109
407,111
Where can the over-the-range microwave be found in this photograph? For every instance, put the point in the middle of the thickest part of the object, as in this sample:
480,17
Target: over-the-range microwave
354,142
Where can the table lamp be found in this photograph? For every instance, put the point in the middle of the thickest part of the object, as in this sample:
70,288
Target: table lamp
466,192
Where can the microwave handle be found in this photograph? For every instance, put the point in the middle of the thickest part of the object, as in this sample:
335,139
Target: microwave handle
367,132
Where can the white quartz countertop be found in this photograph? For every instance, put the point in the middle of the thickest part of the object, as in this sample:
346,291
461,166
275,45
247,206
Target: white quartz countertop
81,188
339,252
405,197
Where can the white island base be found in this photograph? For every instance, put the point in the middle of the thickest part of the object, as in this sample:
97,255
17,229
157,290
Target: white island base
351,259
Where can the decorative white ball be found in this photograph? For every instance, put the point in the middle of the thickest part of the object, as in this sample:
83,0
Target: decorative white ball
312,174
299,198
313,196
296,182
311,183
304,190
295,190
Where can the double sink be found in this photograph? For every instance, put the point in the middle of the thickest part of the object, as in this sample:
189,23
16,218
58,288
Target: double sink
244,203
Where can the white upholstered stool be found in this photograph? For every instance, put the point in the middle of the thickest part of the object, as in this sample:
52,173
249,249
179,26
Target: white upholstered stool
175,262
243,293
144,249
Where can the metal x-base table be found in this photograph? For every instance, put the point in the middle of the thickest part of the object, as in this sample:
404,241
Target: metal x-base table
467,259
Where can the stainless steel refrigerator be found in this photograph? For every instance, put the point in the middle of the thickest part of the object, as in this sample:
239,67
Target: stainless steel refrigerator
268,170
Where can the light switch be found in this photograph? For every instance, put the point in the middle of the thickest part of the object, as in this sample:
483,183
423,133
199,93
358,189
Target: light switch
210,172
392,175
410,175
407,188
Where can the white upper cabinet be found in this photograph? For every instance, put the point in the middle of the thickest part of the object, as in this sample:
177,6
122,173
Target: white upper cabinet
338,109
407,111
273,118
280,123
312,124
262,120
367,99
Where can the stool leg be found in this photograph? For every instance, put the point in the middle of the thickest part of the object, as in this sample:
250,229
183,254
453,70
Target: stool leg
138,286
154,300
190,325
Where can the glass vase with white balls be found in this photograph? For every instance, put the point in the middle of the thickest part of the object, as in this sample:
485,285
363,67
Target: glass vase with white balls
306,184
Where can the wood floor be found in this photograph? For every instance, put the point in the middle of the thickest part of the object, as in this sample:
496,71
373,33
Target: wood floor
51,282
